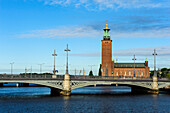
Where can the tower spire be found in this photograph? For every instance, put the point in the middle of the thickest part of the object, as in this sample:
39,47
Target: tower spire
106,24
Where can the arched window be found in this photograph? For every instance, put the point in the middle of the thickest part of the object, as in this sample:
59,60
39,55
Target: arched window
138,73
106,72
129,73
141,73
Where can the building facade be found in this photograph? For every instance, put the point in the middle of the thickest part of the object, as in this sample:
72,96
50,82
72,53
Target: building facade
110,68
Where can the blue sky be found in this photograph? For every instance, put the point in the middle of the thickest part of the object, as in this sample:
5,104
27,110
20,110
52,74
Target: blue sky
30,30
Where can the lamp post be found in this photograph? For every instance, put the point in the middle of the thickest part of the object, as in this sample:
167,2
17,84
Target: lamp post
66,82
12,67
54,60
134,65
155,74
41,67
67,50
155,79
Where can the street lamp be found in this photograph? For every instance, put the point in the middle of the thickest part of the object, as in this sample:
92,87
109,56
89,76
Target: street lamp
54,60
134,65
155,74
12,67
41,67
67,50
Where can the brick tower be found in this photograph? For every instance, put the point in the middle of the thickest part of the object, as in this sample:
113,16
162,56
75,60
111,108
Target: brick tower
106,53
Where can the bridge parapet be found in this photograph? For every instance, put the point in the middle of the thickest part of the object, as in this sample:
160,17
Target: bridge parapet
43,76
77,77
29,76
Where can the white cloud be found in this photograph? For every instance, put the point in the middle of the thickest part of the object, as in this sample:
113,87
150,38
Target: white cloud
88,31
163,51
103,4
63,32
160,33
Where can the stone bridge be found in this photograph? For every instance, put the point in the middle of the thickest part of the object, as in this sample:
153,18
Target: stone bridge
63,84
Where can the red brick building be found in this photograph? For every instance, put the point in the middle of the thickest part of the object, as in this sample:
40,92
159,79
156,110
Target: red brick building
110,68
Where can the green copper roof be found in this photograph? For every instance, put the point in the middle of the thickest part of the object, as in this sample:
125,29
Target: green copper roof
106,34
129,65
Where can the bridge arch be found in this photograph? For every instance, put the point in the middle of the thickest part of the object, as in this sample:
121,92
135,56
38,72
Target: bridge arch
51,84
163,84
144,85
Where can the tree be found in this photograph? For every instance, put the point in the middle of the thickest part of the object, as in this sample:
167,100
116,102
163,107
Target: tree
164,72
91,73
168,75
100,72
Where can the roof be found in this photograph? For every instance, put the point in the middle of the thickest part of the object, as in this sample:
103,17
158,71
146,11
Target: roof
129,65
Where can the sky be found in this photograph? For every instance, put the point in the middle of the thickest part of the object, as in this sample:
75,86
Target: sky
30,30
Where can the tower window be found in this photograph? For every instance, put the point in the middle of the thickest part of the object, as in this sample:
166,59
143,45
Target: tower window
138,73
141,73
117,73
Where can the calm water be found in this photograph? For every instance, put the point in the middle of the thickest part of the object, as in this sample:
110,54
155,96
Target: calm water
83,100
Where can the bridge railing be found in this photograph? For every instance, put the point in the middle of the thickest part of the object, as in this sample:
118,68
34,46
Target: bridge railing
73,77
106,77
29,76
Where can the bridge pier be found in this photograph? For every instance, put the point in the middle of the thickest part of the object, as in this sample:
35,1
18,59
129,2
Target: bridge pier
66,91
141,90
155,88
57,92
1,84
66,88
155,83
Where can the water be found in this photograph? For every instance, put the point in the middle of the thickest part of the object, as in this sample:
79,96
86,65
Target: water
83,100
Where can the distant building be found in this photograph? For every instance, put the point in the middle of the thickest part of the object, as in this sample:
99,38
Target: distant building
110,68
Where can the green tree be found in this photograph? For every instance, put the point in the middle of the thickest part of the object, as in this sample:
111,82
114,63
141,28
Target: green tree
168,76
151,73
164,72
100,72
91,73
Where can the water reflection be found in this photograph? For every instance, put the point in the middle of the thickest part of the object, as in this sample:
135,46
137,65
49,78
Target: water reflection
102,90
66,106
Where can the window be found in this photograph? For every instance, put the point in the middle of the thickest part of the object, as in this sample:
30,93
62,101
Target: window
125,73
141,73
117,73
129,73
138,73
